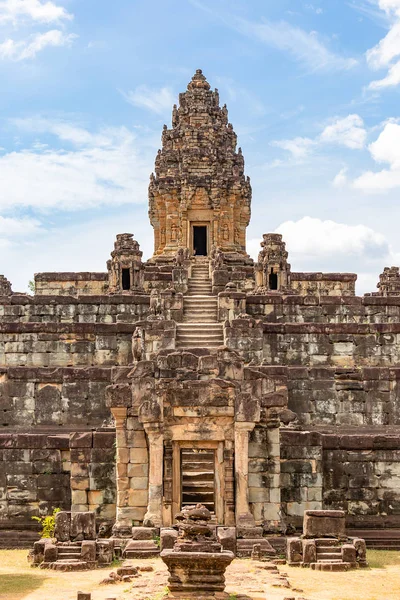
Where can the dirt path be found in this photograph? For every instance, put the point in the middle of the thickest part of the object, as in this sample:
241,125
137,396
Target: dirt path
18,581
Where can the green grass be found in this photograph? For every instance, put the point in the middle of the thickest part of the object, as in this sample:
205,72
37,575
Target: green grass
379,559
19,584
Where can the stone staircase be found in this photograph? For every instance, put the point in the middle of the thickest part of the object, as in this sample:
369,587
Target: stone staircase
69,551
328,551
200,327
378,539
329,556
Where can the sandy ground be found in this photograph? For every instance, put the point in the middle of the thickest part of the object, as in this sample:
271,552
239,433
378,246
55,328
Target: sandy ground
245,577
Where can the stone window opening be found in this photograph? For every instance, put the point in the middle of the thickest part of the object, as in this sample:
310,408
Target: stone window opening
126,279
273,280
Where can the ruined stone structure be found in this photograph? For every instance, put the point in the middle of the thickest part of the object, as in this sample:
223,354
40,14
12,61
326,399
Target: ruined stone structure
324,545
200,375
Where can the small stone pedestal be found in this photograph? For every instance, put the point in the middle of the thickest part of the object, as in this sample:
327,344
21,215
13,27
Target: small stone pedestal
197,562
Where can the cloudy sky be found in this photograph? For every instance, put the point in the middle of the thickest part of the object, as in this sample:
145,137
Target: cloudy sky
312,89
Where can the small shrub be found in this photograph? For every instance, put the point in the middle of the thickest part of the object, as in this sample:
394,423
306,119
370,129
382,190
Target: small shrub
48,523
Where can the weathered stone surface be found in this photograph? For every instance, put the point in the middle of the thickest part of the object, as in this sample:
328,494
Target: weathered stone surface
168,537
62,531
83,526
197,562
227,538
324,523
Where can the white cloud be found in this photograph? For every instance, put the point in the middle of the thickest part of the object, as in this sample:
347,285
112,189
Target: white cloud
391,79
314,237
27,49
306,47
303,46
18,227
346,131
299,147
328,246
107,168
81,246
386,149
383,54
15,11
315,9
340,180
156,100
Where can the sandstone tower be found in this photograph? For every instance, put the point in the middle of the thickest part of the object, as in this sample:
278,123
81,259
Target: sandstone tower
199,196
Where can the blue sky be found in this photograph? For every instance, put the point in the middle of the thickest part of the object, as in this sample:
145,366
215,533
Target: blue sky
312,89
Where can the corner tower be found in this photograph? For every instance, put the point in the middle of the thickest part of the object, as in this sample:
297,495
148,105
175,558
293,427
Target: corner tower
199,197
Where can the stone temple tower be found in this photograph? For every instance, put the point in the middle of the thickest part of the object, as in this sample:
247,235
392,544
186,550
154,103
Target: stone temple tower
199,196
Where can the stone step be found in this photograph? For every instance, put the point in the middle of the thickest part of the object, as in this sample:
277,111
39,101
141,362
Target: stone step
200,299
13,538
331,566
199,308
203,339
68,555
194,344
322,556
244,547
326,542
70,565
141,553
196,294
199,327
336,549
329,560
201,313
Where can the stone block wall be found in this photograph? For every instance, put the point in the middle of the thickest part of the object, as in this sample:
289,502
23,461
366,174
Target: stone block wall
66,309
74,284
341,345
93,477
65,344
301,475
324,309
329,397
264,474
324,284
50,398
362,477
132,471
34,477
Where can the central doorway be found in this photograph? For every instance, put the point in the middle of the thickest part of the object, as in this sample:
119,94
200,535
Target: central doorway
200,240
198,477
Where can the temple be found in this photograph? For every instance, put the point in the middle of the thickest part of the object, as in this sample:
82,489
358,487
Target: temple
200,375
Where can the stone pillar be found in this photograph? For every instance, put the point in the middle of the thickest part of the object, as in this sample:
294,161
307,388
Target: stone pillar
123,518
153,516
242,430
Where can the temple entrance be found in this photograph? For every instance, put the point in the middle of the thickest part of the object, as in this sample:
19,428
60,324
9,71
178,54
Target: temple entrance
200,240
198,476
